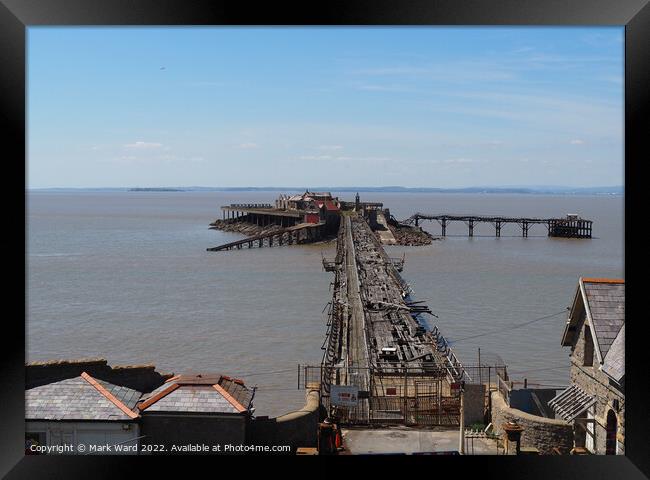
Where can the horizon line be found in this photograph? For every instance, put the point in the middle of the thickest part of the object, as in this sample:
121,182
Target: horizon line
339,188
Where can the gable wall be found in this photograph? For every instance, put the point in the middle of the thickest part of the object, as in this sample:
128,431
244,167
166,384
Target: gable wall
594,382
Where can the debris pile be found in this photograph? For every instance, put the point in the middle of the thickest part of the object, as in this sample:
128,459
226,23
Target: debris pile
411,236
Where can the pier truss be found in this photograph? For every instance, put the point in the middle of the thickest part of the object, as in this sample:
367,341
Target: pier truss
569,227
302,232
376,341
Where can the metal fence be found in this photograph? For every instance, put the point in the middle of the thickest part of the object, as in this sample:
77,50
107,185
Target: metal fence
407,396
504,385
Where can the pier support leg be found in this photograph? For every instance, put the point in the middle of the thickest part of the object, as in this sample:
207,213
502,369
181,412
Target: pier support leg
524,229
471,228
444,227
498,229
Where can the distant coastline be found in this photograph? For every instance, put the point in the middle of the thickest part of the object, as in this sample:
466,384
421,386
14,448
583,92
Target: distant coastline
155,189
523,190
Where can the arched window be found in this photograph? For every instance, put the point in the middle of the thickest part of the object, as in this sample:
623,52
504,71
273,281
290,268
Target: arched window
589,348
610,442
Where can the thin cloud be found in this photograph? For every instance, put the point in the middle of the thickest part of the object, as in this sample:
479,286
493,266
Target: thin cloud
451,72
460,160
330,147
315,157
247,145
363,159
577,141
144,145
383,88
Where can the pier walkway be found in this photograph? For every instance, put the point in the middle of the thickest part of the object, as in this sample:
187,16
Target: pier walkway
572,226
403,373
357,359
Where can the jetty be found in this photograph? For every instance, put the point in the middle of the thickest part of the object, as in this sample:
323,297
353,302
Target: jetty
299,233
378,348
571,226
385,361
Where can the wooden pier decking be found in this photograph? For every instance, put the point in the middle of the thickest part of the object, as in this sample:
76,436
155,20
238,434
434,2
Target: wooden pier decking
570,226
376,343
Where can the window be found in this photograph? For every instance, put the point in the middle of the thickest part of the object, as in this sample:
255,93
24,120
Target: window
589,348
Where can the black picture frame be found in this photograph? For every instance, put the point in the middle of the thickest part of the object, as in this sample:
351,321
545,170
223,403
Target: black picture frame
17,15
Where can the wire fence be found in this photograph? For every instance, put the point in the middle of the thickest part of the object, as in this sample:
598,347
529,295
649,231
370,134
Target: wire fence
405,395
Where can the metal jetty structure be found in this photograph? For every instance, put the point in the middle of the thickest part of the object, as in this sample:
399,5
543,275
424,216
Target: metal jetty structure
401,372
572,226
299,233
305,218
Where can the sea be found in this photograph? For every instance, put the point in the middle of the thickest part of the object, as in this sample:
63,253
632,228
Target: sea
126,276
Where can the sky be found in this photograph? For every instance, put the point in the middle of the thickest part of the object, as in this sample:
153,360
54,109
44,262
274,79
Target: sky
336,106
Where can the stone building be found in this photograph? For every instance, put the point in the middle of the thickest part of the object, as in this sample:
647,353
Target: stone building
595,400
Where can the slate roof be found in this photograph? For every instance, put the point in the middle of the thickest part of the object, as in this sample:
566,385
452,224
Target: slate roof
614,364
126,395
195,398
237,389
198,394
606,302
79,398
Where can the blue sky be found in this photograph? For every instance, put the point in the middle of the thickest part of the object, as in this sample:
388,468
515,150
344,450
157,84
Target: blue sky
417,107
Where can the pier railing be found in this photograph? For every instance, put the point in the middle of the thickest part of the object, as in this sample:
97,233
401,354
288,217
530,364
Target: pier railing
401,396
455,370
250,205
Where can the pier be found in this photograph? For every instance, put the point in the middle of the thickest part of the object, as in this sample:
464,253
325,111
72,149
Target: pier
296,219
572,226
385,362
377,344
261,214
300,233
